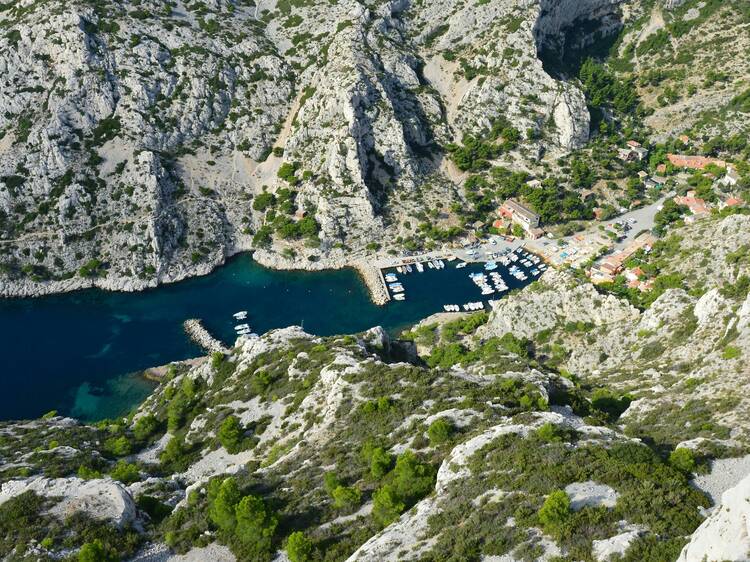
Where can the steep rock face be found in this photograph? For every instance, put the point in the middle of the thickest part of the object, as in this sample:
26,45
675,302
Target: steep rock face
106,113
682,359
725,535
498,41
555,29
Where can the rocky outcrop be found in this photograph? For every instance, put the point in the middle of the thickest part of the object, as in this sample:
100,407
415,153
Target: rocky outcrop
558,298
725,535
100,499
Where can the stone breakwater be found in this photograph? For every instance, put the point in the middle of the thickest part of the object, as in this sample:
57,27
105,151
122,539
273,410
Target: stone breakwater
202,337
373,278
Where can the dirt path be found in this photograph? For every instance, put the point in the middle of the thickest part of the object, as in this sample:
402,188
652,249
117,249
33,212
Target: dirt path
264,173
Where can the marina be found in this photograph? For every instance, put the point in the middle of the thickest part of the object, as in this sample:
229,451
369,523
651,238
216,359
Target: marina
514,262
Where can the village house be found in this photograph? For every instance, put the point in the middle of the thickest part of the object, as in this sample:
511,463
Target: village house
696,205
609,267
534,184
634,278
523,216
633,152
732,177
694,162
655,182
731,202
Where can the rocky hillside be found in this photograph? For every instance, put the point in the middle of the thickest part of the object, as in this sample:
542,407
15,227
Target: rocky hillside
146,142
295,442
683,360
679,52
565,425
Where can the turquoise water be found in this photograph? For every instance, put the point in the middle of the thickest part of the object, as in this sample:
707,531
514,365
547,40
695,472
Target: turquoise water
74,352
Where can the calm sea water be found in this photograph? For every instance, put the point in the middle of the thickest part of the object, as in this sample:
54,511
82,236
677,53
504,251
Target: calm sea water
76,352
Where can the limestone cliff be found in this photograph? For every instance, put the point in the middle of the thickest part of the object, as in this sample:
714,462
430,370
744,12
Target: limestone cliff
134,141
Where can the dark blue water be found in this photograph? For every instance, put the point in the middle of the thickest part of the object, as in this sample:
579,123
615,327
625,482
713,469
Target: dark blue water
76,352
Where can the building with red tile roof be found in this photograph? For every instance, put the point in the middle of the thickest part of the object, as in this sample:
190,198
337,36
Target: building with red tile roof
694,162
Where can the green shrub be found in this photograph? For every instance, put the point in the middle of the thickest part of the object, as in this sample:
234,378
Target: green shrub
299,548
386,506
255,528
145,427
555,512
380,463
96,552
287,172
551,433
118,446
127,473
264,201
223,497
345,497
231,434
682,459
440,431
731,352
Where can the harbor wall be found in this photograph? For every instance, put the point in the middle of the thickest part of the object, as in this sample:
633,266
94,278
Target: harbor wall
198,333
373,277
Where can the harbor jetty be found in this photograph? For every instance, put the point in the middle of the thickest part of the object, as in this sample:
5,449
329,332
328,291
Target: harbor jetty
198,333
372,275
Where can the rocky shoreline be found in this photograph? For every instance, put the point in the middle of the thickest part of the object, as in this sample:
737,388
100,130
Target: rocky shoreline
363,265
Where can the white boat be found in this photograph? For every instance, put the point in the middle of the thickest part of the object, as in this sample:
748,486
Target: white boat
461,265
399,297
399,269
430,265
241,327
397,289
408,268
241,315
442,264
420,267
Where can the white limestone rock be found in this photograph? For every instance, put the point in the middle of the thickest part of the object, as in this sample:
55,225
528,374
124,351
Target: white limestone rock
725,535
100,499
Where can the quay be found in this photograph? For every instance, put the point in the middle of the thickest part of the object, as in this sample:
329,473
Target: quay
198,333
